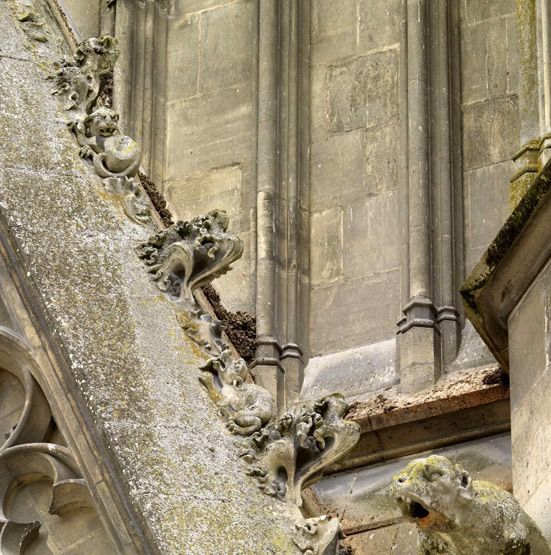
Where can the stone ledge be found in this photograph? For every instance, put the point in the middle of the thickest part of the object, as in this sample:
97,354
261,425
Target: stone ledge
459,391
463,406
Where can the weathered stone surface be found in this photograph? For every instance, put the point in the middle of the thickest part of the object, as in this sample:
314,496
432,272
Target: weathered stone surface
333,30
204,191
382,158
86,16
379,23
490,59
486,193
389,540
477,11
371,236
227,36
185,7
513,55
338,170
130,361
352,372
197,142
490,132
183,49
347,303
327,246
363,92
455,514
530,356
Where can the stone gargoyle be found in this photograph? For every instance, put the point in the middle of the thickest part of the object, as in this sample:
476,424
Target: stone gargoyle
245,406
187,255
458,516
293,450
79,78
113,154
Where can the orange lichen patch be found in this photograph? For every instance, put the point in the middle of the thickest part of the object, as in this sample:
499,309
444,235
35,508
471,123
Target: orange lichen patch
433,519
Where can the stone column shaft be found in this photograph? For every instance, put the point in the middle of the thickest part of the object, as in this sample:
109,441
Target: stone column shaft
282,159
442,177
418,151
418,342
266,367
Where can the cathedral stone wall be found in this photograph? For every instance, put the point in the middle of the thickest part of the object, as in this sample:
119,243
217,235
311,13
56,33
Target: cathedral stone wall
491,123
211,124
354,86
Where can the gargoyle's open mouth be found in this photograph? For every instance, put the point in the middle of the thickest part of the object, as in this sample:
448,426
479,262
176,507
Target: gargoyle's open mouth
412,508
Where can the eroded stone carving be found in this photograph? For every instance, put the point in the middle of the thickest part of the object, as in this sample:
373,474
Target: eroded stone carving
459,516
100,140
187,255
283,454
245,406
81,81
295,448
320,536
31,18
79,78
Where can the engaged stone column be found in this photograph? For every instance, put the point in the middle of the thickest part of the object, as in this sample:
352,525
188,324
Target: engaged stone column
418,335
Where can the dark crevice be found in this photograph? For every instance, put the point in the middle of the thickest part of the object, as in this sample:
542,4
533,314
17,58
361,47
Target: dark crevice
157,199
240,327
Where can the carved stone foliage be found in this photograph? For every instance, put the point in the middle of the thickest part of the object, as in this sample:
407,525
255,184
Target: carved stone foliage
79,78
455,514
187,255
30,15
80,81
320,536
46,506
245,406
283,454
294,449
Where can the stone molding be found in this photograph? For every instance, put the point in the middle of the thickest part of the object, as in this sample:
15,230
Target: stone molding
31,454
282,175
431,169
509,265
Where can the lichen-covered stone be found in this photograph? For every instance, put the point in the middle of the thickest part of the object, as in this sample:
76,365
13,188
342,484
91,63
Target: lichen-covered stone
129,365
459,516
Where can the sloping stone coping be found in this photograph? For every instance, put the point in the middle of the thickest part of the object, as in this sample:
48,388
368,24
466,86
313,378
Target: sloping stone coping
509,265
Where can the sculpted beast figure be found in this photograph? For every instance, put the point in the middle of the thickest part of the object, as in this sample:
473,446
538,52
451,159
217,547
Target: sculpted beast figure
247,407
113,154
457,516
